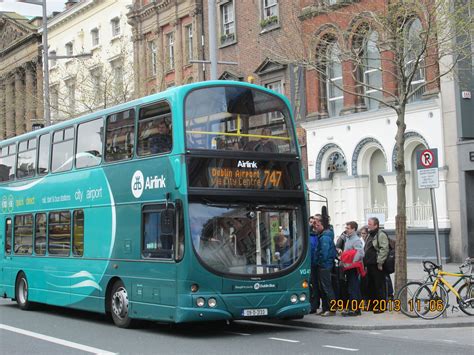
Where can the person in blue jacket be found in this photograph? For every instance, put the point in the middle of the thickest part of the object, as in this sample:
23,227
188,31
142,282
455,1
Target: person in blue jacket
325,256
315,298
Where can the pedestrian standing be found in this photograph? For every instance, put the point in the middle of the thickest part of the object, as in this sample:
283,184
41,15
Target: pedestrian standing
325,254
376,251
354,250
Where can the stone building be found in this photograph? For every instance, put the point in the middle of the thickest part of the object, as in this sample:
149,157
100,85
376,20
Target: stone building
20,75
92,41
166,39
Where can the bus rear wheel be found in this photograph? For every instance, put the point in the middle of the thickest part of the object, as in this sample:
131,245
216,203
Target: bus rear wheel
119,306
21,292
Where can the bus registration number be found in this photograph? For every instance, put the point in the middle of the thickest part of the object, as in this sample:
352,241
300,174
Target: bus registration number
255,312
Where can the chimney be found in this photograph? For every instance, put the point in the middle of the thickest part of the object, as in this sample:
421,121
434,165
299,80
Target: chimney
70,3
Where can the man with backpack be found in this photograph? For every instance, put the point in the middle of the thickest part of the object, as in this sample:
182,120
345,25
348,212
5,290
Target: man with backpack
376,252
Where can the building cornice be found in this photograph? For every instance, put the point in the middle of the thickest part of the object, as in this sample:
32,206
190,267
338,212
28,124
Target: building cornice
72,12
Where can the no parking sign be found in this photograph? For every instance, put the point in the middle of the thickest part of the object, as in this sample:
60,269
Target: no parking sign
427,168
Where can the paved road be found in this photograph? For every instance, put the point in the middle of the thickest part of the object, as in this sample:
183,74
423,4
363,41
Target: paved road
52,330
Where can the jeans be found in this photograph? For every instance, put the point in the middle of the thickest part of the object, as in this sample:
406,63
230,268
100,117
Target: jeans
353,286
325,286
315,297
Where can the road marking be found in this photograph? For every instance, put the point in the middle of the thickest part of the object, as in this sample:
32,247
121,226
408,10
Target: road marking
286,340
449,341
237,333
339,347
67,343
375,333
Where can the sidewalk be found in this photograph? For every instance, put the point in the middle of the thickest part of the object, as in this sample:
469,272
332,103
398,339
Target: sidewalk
390,320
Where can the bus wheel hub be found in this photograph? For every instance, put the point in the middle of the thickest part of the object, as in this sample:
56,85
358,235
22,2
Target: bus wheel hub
120,303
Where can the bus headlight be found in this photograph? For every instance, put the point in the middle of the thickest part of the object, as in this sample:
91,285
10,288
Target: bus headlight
200,302
303,297
294,298
194,288
211,302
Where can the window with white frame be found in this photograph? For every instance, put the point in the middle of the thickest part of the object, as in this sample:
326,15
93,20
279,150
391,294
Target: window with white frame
189,43
335,95
276,86
115,25
413,50
69,49
270,9
95,37
54,100
170,40
153,57
97,87
372,70
117,70
52,60
227,21
71,96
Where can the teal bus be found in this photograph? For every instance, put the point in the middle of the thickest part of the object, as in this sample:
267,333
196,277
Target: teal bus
187,205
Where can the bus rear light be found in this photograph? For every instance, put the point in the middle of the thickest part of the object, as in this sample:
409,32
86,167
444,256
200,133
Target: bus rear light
212,302
200,302
194,288
305,284
303,297
294,298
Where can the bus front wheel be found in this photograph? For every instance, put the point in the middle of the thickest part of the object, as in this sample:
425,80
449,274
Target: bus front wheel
21,292
119,306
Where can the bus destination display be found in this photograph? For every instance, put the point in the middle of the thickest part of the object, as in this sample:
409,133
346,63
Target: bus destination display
221,173
239,178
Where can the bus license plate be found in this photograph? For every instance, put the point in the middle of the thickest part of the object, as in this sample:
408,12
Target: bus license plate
255,312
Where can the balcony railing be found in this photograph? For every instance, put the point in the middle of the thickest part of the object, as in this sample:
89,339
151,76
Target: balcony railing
419,214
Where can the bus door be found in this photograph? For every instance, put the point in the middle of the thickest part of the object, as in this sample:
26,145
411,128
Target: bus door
7,242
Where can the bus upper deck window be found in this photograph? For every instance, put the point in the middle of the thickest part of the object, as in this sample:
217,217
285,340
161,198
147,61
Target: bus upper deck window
154,129
7,162
120,128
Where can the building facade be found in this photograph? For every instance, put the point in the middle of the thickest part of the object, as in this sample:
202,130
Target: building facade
20,75
167,38
91,58
351,140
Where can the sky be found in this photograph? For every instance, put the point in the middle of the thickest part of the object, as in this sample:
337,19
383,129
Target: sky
29,9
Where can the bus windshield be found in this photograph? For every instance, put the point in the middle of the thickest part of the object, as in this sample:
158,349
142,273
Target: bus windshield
243,239
237,118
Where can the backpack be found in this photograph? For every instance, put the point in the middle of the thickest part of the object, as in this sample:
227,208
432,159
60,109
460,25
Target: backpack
389,263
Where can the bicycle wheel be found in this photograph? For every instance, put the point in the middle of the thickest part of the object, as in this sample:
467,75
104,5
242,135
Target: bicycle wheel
466,292
405,296
430,304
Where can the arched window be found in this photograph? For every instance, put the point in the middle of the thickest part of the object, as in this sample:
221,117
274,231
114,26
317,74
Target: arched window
378,190
372,74
413,49
335,95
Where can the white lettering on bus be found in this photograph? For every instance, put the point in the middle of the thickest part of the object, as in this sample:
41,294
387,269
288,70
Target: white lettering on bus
247,164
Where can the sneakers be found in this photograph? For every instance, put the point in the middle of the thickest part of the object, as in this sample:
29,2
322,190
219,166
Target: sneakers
328,314
347,313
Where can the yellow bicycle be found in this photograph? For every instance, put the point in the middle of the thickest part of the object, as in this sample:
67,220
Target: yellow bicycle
432,299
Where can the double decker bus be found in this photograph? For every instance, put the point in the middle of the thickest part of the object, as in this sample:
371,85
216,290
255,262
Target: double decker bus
186,205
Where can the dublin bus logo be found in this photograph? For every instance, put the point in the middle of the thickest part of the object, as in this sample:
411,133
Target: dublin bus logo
137,184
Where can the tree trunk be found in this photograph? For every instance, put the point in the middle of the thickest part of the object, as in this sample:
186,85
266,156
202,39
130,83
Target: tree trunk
400,218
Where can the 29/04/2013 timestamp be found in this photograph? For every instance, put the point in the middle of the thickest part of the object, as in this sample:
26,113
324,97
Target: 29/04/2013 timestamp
384,305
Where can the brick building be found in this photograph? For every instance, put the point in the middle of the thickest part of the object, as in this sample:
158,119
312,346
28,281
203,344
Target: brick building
166,38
